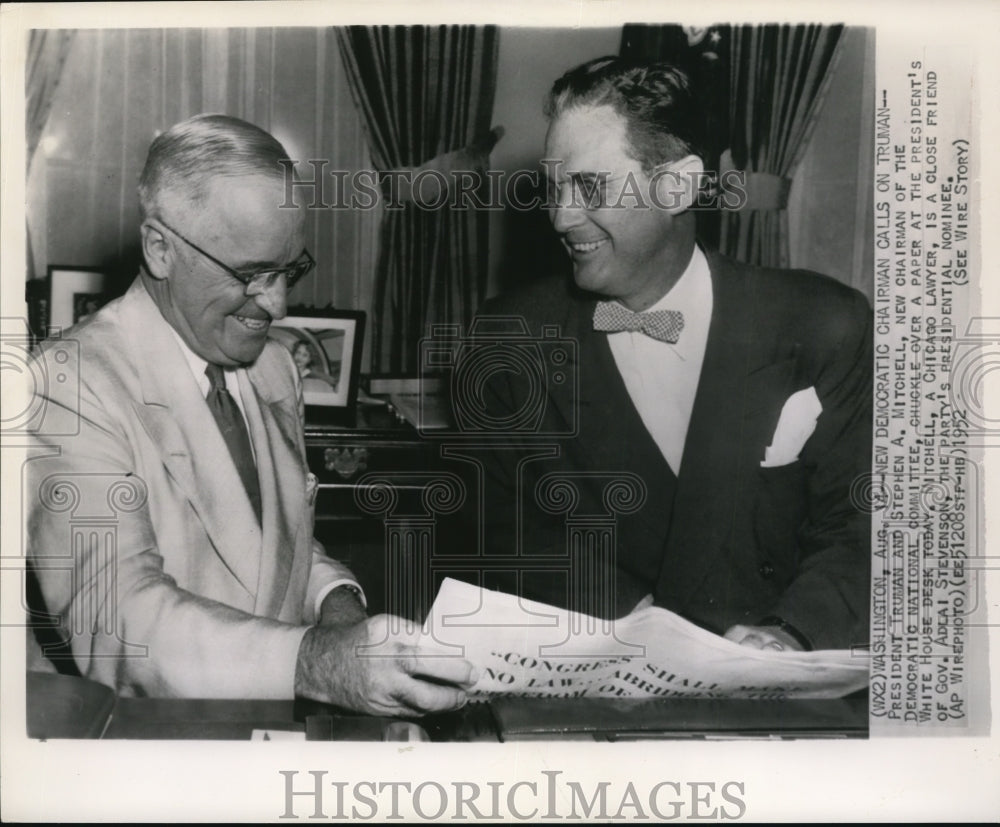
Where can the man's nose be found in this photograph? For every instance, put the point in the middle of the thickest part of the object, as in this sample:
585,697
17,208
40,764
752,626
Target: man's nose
566,216
273,297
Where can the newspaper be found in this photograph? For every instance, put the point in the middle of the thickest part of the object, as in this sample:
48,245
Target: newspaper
530,649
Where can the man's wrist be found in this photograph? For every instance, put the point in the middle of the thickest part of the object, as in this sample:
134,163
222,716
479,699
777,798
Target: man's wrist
320,668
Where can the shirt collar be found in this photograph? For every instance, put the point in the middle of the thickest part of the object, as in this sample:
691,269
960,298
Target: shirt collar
687,294
692,296
195,362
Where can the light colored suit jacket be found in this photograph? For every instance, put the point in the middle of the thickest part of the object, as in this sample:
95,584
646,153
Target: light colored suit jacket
144,540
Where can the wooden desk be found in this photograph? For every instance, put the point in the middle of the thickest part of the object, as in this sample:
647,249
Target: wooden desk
158,719
379,442
170,719
601,719
64,707
353,516
514,719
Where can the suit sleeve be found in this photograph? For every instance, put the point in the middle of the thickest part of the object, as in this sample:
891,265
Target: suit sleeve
92,542
828,599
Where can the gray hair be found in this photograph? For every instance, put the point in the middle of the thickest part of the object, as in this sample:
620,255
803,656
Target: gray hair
190,153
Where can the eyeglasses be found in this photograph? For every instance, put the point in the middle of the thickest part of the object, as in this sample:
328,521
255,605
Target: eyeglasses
257,281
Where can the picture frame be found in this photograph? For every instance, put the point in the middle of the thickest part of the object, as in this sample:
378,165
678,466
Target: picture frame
326,344
75,293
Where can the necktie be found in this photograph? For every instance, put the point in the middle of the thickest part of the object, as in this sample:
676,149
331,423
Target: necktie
234,432
663,325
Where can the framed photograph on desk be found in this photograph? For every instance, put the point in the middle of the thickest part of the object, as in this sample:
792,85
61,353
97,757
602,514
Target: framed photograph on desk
74,294
326,348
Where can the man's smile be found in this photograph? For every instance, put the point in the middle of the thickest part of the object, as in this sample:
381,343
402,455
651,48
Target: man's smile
584,247
252,324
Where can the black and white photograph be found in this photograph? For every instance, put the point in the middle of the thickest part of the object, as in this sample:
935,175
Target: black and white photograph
593,399
326,349
74,294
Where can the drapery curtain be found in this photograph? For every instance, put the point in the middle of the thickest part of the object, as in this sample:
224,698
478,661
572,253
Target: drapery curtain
120,87
778,78
47,50
423,92
703,54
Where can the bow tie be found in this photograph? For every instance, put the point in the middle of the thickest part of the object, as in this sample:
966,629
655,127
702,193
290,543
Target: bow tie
662,325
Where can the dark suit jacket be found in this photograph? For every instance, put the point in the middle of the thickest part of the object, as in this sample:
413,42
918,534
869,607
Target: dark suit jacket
728,541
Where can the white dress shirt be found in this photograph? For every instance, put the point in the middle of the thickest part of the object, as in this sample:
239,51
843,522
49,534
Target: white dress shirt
662,378
198,365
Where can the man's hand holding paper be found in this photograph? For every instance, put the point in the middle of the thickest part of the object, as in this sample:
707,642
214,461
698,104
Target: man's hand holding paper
392,673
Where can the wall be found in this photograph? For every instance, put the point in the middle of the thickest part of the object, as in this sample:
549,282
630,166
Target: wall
830,216
530,60
120,88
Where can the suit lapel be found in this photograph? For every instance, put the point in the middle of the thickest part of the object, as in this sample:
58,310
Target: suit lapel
273,428
180,425
611,432
732,409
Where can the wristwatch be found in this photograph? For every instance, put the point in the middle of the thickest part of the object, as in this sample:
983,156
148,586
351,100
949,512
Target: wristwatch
788,629
353,590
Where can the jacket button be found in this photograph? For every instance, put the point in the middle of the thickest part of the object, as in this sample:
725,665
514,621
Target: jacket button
766,570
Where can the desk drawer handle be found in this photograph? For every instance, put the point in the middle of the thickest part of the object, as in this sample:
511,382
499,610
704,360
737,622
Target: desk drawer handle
346,461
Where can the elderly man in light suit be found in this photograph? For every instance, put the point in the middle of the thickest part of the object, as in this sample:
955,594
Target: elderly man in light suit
215,586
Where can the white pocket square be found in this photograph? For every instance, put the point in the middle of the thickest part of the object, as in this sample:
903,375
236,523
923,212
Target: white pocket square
795,425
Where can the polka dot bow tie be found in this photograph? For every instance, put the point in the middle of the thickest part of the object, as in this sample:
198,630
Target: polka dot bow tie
663,325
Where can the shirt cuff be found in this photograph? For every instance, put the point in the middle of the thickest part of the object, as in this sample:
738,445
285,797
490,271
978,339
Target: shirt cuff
336,584
789,629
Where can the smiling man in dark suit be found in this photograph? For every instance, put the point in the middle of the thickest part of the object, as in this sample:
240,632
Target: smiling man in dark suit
737,399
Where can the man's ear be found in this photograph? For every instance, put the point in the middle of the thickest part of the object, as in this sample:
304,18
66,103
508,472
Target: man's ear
675,185
156,249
